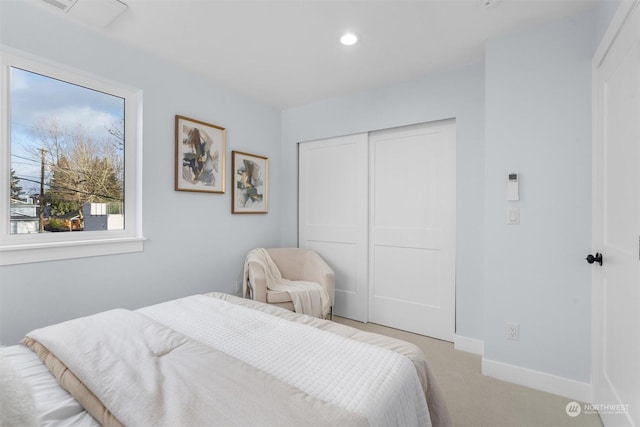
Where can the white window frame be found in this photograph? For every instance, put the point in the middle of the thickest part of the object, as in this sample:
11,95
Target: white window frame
27,248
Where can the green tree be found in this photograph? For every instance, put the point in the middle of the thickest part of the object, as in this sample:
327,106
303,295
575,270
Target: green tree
62,195
16,189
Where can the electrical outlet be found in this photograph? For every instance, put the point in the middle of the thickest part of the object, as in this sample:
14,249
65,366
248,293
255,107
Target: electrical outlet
513,331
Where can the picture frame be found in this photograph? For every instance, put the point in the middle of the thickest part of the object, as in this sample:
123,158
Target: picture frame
200,156
250,188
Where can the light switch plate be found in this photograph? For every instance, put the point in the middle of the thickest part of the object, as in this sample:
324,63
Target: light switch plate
513,216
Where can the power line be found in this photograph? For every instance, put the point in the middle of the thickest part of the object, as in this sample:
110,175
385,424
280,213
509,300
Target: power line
74,190
25,158
66,168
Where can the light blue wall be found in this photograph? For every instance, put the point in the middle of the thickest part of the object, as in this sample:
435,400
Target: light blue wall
458,94
194,242
604,13
538,123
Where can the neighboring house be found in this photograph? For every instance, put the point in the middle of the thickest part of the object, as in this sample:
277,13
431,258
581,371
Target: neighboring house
24,217
95,217
98,216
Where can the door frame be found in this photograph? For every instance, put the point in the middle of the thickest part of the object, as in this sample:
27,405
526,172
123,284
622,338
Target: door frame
624,11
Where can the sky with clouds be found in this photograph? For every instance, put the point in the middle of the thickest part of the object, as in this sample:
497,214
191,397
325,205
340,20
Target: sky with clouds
36,98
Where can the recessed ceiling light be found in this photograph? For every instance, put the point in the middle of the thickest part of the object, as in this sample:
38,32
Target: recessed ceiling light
348,39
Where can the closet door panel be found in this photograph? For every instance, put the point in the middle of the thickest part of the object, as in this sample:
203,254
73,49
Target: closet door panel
412,229
333,214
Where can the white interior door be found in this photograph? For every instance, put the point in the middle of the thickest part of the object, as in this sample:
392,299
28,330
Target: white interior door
412,228
616,221
333,214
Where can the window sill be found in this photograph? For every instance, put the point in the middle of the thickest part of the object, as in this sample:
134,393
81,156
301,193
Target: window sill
40,252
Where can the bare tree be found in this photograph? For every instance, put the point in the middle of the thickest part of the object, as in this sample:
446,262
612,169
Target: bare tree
52,137
82,168
116,130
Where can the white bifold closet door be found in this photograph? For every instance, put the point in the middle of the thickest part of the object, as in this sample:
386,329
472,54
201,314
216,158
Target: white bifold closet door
406,233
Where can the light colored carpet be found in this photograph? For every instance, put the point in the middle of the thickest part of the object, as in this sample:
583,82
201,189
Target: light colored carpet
475,400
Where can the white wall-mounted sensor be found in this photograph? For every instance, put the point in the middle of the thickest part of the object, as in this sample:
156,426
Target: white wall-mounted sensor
512,187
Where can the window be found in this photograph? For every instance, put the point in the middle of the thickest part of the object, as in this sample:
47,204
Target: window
70,184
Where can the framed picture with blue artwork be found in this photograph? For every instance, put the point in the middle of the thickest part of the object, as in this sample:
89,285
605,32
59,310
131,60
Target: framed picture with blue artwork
250,189
200,156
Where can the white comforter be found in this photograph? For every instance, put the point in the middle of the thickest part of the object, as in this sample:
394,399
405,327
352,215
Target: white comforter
148,375
198,359
364,379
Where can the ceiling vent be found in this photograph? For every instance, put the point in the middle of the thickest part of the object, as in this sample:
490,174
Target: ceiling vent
61,4
95,12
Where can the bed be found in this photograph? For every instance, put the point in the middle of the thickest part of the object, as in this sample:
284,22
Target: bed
217,359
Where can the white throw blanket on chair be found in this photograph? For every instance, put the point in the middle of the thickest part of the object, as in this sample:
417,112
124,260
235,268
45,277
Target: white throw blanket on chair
307,297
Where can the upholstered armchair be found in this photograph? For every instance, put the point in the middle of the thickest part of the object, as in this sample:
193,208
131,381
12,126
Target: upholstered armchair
294,264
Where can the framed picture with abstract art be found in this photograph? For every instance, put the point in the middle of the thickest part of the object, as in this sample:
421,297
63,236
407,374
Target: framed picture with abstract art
250,189
200,156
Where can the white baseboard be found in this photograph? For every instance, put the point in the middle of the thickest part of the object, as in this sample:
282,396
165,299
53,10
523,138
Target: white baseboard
470,345
568,388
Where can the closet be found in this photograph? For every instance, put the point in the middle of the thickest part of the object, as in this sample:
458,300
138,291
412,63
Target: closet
380,208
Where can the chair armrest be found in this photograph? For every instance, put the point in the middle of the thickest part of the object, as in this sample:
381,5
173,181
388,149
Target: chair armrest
329,280
317,270
258,281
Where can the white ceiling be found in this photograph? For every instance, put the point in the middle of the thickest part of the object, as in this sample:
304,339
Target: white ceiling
287,53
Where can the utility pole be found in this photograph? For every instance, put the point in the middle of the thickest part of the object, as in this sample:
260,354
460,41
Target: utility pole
41,201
